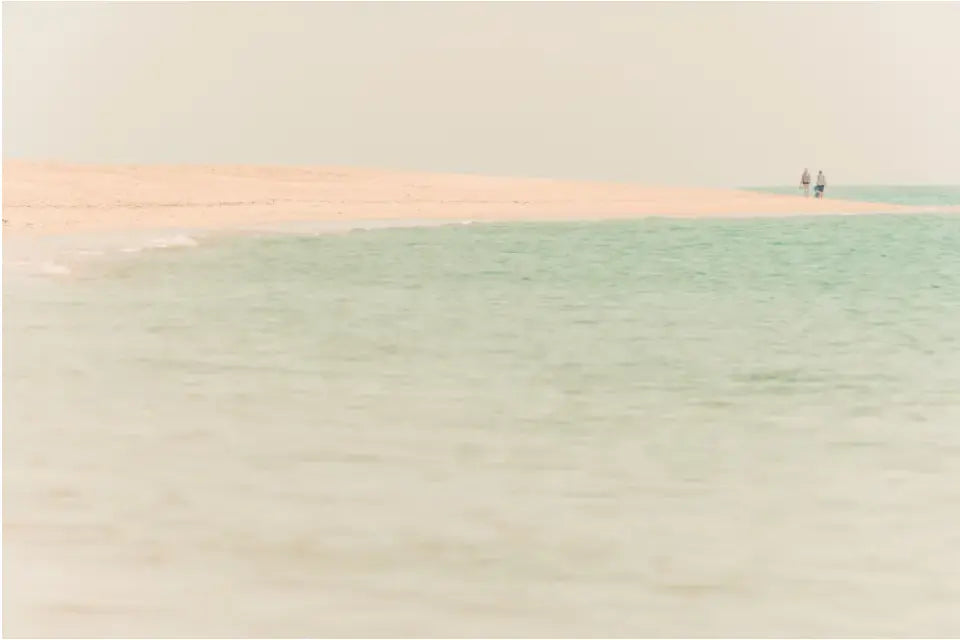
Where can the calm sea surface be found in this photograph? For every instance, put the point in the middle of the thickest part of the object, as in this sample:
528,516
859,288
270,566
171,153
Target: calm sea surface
656,427
923,195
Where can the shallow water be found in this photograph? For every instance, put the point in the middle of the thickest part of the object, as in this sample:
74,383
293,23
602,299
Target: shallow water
656,427
920,195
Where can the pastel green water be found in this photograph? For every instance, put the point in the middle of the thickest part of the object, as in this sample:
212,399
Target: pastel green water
741,427
922,195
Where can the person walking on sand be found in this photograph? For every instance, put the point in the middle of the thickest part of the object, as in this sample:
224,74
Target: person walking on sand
821,184
805,183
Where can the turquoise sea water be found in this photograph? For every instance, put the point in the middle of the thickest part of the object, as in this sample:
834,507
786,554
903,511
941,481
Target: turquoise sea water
655,427
922,195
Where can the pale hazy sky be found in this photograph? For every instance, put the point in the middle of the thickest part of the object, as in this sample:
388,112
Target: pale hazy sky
679,93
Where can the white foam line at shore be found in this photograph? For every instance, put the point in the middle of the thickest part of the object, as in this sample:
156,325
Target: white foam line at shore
54,269
45,255
318,227
56,255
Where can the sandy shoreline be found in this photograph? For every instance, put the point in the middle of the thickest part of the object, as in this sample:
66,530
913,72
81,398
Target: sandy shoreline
50,197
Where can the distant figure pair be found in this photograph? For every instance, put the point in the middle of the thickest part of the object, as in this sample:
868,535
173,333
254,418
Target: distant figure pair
805,184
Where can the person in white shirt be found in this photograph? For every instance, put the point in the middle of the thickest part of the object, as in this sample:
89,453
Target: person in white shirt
805,182
821,184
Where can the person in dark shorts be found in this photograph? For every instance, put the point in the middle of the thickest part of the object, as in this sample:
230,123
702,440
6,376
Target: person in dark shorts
821,185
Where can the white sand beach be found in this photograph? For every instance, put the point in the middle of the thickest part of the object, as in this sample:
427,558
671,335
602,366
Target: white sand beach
52,197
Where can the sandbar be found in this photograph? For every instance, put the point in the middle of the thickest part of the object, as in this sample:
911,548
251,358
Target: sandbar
57,197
